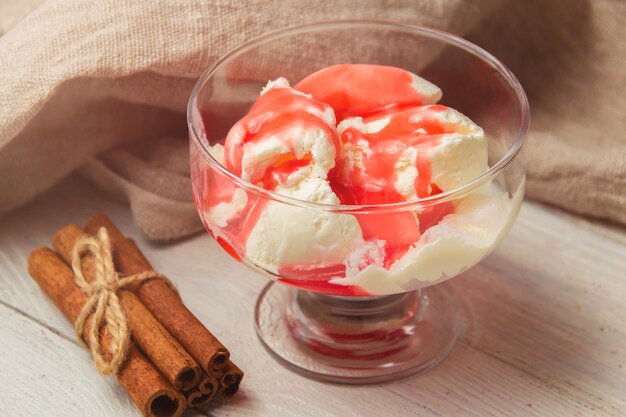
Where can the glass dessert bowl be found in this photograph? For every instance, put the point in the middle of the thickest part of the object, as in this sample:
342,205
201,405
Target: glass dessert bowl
367,190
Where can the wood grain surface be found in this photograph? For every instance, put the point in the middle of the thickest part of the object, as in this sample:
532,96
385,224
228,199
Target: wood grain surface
545,336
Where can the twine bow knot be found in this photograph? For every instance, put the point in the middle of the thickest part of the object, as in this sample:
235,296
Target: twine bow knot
103,303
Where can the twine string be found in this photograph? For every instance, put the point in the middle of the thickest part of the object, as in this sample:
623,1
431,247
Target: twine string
103,304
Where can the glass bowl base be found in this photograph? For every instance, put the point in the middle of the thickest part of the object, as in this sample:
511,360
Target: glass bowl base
358,340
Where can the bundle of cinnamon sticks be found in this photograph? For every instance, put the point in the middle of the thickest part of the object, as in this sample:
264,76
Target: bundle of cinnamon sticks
173,360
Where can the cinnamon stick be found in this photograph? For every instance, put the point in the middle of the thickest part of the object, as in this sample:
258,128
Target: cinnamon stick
229,382
164,304
150,392
197,398
208,385
204,393
178,367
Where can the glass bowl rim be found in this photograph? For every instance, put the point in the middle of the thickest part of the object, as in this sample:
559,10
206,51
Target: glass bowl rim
418,204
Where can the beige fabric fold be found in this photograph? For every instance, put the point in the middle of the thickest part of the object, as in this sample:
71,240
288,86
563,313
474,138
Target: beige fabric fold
570,55
153,177
102,86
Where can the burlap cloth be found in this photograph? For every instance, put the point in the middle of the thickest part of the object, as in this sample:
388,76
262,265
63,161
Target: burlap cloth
102,87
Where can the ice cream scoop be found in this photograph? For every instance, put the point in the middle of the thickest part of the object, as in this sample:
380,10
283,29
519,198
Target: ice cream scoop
285,137
408,154
288,236
453,245
402,156
287,143
362,89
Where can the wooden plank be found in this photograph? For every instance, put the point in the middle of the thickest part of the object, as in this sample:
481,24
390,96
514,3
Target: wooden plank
547,313
551,302
470,383
43,374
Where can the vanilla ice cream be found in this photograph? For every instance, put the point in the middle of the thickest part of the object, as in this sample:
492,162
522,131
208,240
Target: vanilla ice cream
362,89
286,137
392,145
289,235
458,242
448,147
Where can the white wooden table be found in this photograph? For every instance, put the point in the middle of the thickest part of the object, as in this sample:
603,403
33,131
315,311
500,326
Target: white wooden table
548,333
